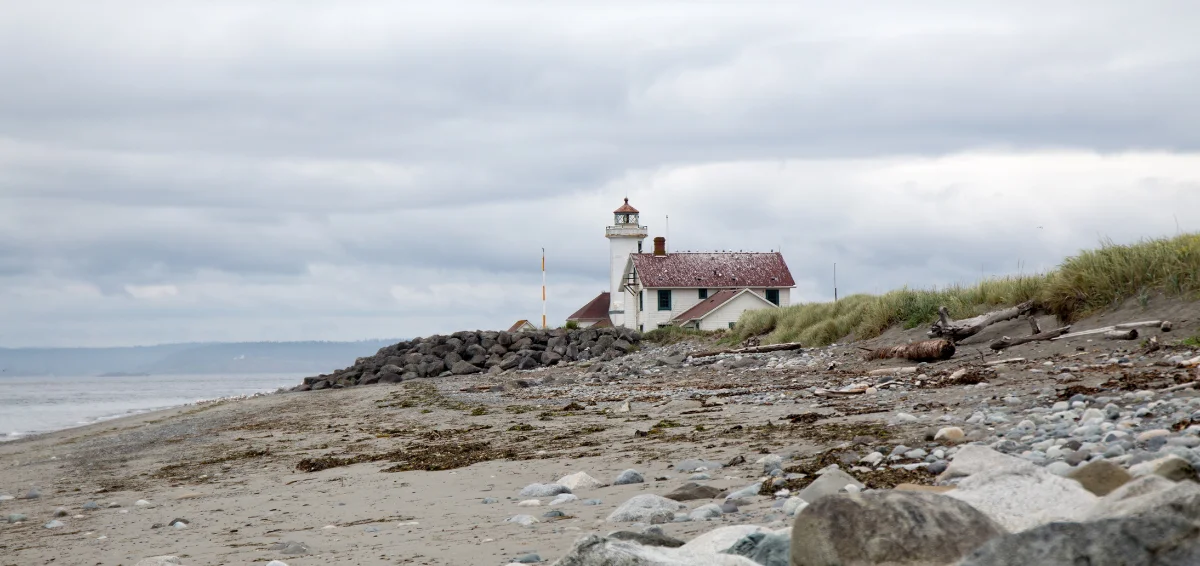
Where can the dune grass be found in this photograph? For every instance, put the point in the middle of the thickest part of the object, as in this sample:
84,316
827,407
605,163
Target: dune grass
1082,285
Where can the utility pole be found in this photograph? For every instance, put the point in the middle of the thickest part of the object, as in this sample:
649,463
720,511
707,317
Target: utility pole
543,288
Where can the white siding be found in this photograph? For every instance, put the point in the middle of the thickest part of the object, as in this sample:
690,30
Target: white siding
681,300
732,310
619,250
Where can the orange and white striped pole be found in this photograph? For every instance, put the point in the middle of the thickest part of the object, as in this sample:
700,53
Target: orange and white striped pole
543,288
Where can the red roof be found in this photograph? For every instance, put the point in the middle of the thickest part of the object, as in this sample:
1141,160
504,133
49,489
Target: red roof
708,305
625,208
597,309
713,270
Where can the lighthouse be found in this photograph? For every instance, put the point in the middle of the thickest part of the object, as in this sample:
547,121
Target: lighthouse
624,238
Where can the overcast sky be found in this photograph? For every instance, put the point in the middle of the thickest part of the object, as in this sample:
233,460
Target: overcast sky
269,170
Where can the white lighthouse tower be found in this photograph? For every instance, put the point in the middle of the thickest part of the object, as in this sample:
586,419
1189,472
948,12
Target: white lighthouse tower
624,237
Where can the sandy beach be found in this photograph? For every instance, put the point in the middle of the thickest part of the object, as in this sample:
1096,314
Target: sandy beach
429,471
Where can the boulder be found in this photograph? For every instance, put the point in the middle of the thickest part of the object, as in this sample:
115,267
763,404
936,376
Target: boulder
831,482
694,491
452,358
1021,498
578,481
371,380
544,490
973,459
1100,477
464,368
1158,540
888,527
627,477
722,538
1171,467
509,361
646,508
391,368
647,539
1151,494
594,550
476,354
388,378
527,363
768,549
705,512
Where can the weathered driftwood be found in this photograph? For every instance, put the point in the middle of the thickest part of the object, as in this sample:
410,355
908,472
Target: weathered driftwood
1179,387
927,351
893,371
752,350
1161,324
960,329
1002,362
1130,334
834,393
1006,342
1189,363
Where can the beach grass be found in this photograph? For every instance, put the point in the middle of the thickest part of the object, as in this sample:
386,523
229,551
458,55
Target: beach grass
1081,285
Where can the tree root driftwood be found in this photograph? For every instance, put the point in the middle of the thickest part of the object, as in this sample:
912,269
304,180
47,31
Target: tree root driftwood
752,350
927,351
960,329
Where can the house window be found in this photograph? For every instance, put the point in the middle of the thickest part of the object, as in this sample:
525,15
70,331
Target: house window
703,294
639,246
773,296
641,301
664,299
731,326
641,328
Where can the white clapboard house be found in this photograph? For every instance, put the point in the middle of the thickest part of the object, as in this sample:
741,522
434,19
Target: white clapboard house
704,290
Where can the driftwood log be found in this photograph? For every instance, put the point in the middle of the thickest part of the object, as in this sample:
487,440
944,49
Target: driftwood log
927,351
1163,325
752,350
1130,334
1007,342
960,329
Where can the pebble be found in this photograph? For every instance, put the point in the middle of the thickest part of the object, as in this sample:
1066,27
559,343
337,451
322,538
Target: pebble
528,559
55,524
530,503
592,502
950,434
490,500
91,506
61,512
276,563
17,518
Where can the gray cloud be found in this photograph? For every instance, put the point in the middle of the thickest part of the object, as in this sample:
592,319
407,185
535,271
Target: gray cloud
303,171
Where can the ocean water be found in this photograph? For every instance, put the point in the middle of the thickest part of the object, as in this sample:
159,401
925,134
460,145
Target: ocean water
41,404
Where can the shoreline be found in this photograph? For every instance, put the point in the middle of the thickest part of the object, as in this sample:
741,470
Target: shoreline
88,420
440,471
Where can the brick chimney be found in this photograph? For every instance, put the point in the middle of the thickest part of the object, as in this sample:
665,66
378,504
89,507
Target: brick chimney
660,246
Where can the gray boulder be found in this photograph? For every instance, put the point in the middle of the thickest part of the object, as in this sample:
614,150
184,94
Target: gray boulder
1022,498
694,491
647,538
627,477
1158,540
593,550
831,482
544,490
768,549
888,527
464,368
646,508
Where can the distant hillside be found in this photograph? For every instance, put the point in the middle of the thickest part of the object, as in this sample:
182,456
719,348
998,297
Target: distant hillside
194,358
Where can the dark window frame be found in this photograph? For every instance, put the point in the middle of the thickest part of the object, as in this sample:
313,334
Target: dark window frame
664,294
703,294
768,294
641,301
